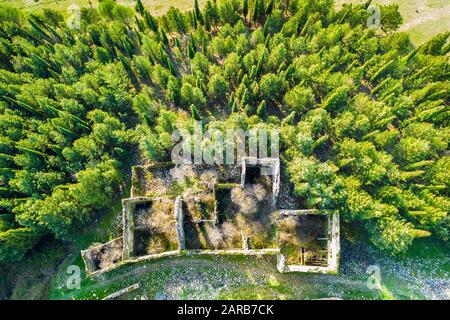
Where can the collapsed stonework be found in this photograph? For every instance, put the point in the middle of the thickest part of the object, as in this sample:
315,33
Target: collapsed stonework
211,210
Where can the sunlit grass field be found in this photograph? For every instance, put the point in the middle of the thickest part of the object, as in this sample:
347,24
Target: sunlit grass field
422,18
157,7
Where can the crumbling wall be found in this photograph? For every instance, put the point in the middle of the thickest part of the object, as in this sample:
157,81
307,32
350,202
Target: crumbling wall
156,256
244,242
333,244
128,228
179,223
276,180
248,252
89,262
128,220
96,256
136,181
122,292
269,166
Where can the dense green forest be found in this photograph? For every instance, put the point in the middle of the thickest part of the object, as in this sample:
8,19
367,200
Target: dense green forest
363,114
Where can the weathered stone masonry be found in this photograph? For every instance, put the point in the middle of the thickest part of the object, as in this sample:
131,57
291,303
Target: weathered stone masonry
268,166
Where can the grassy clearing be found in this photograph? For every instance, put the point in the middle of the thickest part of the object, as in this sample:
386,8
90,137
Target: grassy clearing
156,7
238,277
422,18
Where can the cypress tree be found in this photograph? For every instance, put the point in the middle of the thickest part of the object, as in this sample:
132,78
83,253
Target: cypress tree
128,46
289,119
148,119
261,111
66,131
207,22
139,7
39,30
164,38
195,113
245,9
191,51
261,10
172,69
270,8
194,20
305,27
255,11
198,13
128,69
194,45
382,70
266,28
253,72
150,21
140,24
234,107
378,87
260,62
23,105
410,55
244,99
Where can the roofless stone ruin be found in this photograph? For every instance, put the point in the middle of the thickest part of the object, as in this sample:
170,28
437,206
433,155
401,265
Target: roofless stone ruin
243,209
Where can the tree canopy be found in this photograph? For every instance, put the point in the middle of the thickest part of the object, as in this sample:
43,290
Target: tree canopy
363,114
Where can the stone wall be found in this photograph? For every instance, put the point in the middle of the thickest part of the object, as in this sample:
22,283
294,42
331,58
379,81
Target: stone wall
120,293
179,223
128,228
333,244
89,257
271,164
